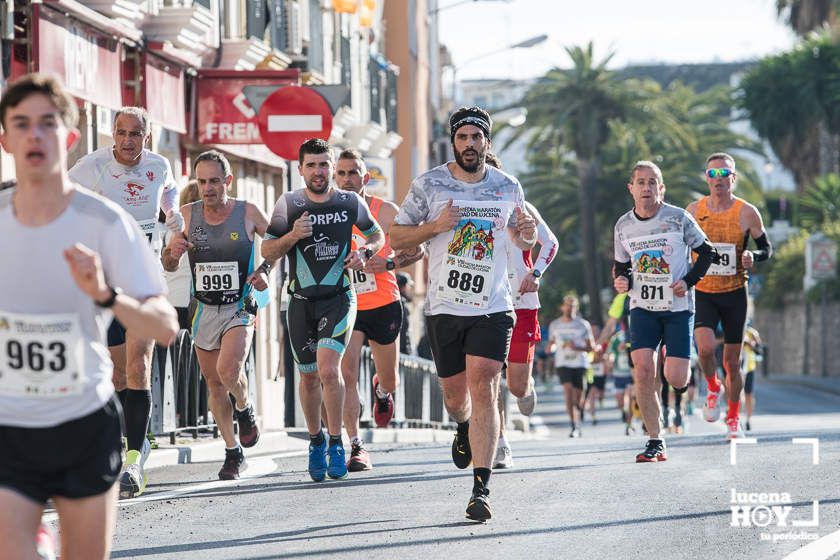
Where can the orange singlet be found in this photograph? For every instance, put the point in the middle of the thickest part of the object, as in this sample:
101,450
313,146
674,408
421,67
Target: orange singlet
724,231
386,290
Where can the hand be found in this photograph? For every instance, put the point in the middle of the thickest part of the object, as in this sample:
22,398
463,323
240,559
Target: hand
525,225
376,264
680,288
86,270
174,221
178,246
448,219
529,284
621,284
303,227
355,260
258,279
747,259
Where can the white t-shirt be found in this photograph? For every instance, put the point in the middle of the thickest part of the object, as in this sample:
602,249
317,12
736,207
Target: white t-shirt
519,265
141,190
54,363
467,265
577,331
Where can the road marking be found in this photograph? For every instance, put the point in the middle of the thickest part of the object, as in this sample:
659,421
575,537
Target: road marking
257,467
815,449
295,123
818,550
733,448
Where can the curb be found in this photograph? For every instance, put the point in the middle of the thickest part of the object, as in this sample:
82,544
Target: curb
188,450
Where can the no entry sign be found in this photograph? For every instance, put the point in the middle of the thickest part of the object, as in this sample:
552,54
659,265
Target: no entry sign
292,115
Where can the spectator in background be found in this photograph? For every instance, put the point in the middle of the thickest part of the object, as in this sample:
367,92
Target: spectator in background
406,285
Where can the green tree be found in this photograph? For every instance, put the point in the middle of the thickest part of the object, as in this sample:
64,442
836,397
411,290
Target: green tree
820,203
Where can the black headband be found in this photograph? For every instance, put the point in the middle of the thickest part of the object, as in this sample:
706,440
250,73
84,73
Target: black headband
473,119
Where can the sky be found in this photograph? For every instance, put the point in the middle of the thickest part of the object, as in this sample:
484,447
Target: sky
638,31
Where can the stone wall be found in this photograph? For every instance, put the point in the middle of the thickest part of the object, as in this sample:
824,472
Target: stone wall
794,344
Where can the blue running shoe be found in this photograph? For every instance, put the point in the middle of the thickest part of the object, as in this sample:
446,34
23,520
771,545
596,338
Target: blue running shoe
318,461
338,468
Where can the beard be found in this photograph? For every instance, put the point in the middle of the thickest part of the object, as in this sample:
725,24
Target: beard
318,189
476,164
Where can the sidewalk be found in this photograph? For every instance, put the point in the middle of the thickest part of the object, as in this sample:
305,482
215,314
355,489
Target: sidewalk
815,382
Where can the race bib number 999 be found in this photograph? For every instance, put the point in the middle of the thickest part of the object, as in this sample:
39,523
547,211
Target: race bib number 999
41,355
217,277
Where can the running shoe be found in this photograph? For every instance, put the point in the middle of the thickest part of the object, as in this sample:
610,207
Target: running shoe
504,458
338,468
478,508
461,452
527,403
133,480
733,428
711,410
234,459
575,432
318,461
383,409
654,452
249,433
45,542
748,427
359,459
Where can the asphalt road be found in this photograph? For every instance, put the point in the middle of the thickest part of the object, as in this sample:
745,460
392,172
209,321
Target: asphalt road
565,498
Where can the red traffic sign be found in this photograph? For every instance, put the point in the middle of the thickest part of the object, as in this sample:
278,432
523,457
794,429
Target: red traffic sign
292,115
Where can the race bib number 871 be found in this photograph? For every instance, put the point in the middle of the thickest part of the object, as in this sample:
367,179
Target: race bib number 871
40,354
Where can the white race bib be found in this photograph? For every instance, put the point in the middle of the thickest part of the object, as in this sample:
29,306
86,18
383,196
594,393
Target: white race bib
364,282
217,276
727,266
466,281
41,355
513,279
652,291
150,230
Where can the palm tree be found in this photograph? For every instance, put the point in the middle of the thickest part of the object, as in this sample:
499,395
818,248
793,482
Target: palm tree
804,16
820,203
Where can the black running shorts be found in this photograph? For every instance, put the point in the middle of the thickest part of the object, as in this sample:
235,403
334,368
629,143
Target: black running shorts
77,459
728,308
572,375
322,323
381,324
453,337
116,333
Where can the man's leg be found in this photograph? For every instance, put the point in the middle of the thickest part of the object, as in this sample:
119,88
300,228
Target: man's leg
87,525
704,337
350,375
646,389
482,379
571,407
19,521
329,365
386,358
218,398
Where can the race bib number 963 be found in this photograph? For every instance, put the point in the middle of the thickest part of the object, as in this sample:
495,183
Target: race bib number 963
40,354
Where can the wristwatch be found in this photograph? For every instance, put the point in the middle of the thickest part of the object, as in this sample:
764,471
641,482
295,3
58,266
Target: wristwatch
390,264
536,272
111,299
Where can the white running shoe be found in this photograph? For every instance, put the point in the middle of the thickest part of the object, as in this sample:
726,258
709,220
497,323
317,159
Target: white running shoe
733,428
504,458
711,409
527,403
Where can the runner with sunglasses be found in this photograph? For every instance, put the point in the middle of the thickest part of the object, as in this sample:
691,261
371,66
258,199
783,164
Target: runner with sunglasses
728,222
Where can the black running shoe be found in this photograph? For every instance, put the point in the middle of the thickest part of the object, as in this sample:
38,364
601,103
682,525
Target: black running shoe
249,433
654,452
461,452
233,461
478,508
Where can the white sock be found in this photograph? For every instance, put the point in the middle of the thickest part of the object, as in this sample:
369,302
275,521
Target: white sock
380,393
237,447
503,441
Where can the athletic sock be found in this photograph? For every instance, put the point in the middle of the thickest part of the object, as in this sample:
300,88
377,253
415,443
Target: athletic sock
481,477
380,393
503,441
464,427
336,440
121,396
713,383
138,410
357,441
317,439
733,409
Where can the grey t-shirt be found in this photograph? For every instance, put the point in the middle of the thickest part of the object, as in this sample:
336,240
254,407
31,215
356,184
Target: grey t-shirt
659,249
467,265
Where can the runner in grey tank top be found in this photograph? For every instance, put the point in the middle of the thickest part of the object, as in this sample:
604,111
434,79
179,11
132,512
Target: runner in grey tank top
222,255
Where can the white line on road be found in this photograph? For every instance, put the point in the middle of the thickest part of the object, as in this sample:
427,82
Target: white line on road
294,123
819,549
257,467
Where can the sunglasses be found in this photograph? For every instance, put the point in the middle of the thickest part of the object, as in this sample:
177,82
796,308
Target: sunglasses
719,173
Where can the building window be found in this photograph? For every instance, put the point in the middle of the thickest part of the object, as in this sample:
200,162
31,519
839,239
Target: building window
315,54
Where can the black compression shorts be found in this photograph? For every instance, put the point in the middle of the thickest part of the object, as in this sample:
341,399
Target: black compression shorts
728,308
